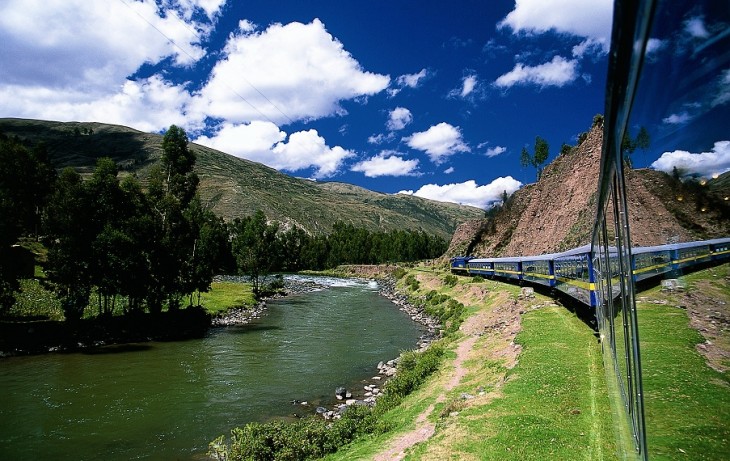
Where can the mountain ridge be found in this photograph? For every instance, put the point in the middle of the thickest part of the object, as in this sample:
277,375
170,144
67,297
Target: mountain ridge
234,187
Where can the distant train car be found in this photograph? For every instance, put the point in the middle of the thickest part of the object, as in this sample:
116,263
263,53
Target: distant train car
459,265
483,267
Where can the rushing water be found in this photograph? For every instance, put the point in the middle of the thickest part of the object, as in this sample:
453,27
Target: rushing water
164,401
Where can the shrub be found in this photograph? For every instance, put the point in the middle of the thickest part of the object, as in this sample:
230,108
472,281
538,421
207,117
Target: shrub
399,273
450,280
477,279
412,283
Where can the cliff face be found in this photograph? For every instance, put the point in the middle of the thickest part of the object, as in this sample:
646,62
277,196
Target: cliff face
557,212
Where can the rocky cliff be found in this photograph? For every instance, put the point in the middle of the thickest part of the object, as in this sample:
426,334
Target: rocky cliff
557,212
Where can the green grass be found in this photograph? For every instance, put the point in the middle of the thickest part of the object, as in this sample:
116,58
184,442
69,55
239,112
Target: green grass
34,300
554,401
687,403
227,295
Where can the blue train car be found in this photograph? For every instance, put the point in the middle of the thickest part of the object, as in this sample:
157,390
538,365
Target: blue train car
509,268
647,262
720,249
459,265
480,266
574,274
539,269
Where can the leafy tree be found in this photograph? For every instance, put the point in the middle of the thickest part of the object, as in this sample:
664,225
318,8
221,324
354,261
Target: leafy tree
68,224
172,187
539,156
254,245
629,144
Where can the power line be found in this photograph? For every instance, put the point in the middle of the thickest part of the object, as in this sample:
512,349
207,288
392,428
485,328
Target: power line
200,39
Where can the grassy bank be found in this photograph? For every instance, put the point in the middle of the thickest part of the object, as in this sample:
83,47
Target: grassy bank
687,403
485,404
227,295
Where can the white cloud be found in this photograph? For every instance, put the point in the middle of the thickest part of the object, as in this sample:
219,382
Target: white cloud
398,118
449,170
677,119
468,85
495,151
558,72
386,163
407,80
381,138
307,149
303,71
71,59
252,141
705,164
90,46
468,193
589,46
148,104
590,19
263,142
438,142
411,80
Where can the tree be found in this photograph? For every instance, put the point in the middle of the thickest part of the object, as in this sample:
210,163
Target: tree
629,144
254,246
68,225
172,187
540,155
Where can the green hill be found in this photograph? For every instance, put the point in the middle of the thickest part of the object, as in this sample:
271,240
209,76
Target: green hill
235,187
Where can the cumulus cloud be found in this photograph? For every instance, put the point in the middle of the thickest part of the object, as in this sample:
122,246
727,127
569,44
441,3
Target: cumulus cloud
386,163
449,170
495,151
575,17
705,164
72,59
468,193
398,118
252,141
439,141
558,72
286,73
263,142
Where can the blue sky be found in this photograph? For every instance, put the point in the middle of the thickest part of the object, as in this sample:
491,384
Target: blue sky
431,98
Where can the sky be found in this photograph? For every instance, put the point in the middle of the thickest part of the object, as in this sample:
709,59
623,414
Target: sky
430,98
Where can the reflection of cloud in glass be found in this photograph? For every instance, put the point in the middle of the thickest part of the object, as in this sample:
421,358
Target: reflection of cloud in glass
677,119
705,164
723,91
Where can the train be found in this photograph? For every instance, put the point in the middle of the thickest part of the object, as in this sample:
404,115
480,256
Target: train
572,272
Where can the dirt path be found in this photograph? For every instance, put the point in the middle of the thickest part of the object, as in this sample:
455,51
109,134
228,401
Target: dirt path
504,319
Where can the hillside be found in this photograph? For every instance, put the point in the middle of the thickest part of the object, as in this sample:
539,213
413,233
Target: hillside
557,212
235,187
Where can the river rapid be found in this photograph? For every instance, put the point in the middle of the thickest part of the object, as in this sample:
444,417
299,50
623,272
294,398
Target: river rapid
167,400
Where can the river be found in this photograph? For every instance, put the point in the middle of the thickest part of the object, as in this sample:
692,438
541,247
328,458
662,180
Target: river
167,400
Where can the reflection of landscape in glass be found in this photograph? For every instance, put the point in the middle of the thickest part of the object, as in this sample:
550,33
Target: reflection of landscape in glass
683,98
168,400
